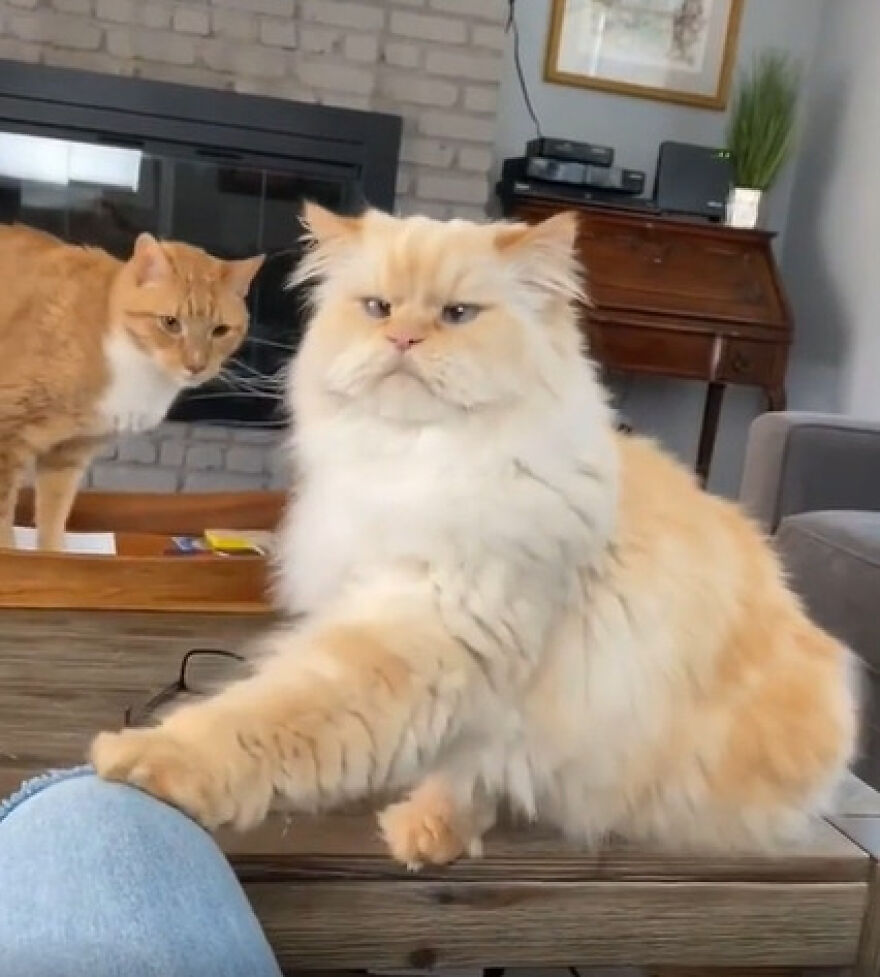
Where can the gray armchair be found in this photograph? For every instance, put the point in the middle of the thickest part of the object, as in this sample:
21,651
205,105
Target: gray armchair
813,481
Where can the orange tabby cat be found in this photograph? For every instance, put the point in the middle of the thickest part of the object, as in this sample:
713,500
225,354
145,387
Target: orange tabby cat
503,600
91,346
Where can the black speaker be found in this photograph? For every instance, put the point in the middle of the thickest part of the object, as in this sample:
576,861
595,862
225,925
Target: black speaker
693,180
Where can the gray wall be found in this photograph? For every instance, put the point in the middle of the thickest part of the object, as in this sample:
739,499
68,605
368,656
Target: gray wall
832,259
669,410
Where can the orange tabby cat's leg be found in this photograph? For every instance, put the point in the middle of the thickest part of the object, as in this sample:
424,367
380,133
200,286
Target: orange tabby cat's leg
12,465
345,710
59,473
439,822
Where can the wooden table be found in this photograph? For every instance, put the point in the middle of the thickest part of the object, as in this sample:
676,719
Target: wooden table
329,897
681,298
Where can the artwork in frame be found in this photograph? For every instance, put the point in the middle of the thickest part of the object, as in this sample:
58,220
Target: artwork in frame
672,50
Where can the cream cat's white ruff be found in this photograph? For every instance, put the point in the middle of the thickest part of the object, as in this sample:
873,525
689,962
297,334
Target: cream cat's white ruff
139,393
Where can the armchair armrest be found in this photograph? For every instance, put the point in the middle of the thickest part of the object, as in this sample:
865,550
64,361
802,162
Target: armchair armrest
800,462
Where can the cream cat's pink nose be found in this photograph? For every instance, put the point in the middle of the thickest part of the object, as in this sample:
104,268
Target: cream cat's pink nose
403,343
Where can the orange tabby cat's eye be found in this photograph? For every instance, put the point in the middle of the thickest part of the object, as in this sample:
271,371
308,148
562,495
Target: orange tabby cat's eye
171,324
218,332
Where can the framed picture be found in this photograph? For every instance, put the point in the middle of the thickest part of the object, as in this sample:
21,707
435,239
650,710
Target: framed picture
672,50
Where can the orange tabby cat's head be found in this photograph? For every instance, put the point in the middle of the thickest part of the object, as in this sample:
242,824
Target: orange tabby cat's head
182,306
416,319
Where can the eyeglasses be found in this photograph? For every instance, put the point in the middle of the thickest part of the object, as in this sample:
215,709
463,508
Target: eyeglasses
184,685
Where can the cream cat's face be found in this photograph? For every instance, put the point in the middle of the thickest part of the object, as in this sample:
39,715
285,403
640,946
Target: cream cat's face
183,307
417,318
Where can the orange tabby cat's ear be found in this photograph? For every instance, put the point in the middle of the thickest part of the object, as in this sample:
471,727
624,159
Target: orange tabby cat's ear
238,275
150,263
543,255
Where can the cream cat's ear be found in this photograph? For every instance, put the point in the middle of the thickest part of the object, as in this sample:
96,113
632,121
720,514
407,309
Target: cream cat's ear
324,227
149,261
543,255
238,275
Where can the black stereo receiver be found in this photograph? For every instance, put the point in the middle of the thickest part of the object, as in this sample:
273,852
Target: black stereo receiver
568,149
611,178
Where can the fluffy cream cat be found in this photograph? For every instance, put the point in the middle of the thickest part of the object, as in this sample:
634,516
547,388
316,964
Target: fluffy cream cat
503,600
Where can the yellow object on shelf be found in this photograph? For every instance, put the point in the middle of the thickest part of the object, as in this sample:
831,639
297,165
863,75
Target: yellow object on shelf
238,541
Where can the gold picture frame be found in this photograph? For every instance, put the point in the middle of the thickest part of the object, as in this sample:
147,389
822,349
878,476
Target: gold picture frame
714,39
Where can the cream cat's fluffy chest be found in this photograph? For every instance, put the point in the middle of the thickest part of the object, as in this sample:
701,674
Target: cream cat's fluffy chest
139,393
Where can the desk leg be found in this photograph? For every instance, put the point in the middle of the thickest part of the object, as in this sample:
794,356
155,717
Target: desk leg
776,398
709,430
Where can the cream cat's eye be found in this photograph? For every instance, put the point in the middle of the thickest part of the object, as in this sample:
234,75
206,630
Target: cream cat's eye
459,313
376,308
170,324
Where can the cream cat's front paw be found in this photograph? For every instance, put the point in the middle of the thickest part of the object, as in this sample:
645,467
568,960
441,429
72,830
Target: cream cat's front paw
170,769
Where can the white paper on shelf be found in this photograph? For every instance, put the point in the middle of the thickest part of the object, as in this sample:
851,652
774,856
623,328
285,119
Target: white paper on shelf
93,544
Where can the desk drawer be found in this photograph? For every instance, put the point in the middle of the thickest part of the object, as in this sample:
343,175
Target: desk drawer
748,362
661,351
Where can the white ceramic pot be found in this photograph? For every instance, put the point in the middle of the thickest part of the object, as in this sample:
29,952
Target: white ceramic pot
744,207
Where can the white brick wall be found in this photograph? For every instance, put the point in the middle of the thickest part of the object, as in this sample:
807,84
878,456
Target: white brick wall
436,63
192,457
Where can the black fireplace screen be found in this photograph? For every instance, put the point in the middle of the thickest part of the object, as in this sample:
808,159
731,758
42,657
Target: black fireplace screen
97,162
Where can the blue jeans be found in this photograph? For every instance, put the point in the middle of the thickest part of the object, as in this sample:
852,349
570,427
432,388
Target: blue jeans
100,880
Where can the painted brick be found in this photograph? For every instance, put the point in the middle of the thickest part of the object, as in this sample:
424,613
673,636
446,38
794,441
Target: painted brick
480,98
162,46
204,456
119,43
320,40
256,435
108,451
489,36
274,8
113,477
456,125
119,11
251,60
26,27
404,180
360,16
363,48
155,15
428,208
222,482
210,432
26,4
423,27
338,78
474,158
106,64
278,33
419,90
74,32
402,54
192,20
469,213
16,50
493,10
240,459
457,64
427,152
234,24
342,100
172,453
172,429
73,6
453,189
140,449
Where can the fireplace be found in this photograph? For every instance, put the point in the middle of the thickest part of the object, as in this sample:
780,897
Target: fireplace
97,161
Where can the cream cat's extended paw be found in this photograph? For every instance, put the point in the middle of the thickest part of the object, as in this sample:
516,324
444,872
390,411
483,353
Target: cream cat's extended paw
167,768
420,832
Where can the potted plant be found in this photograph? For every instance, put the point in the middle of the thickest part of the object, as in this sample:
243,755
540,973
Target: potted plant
760,133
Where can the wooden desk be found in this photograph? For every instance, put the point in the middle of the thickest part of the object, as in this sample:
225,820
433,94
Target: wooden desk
329,897
683,299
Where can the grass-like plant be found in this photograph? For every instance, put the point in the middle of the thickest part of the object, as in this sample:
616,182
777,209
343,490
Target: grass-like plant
762,120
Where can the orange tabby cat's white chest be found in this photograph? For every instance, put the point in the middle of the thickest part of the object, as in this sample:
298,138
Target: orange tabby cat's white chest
139,393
